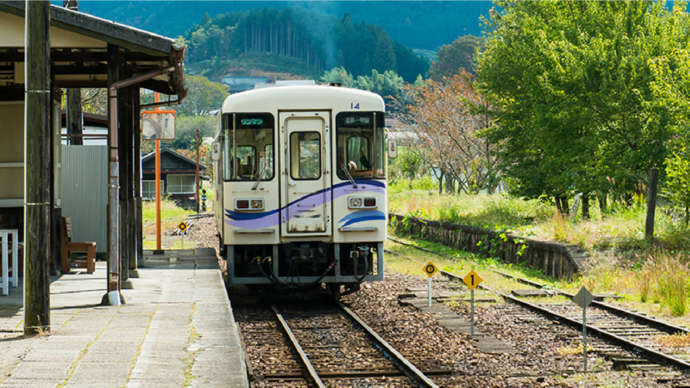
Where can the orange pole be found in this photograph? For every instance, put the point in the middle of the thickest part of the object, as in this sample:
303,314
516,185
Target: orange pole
158,189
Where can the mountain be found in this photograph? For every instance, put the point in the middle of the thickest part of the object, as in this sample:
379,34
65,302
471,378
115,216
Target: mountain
269,39
417,24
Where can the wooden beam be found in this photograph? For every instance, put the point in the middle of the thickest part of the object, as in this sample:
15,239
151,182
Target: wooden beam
113,33
37,203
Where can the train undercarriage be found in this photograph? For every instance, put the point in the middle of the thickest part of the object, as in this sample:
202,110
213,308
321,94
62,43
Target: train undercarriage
305,263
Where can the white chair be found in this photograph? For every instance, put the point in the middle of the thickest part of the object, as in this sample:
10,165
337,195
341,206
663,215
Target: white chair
4,259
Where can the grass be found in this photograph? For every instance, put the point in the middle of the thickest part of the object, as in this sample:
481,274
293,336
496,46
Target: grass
658,287
459,263
652,277
171,215
621,228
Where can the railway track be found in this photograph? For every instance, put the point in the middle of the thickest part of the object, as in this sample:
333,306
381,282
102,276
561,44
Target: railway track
334,345
630,330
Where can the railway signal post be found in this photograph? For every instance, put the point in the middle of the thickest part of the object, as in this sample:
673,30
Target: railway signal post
472,280
583,298
182,227
430,270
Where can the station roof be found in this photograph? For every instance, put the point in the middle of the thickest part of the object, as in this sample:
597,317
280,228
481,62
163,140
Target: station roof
79,51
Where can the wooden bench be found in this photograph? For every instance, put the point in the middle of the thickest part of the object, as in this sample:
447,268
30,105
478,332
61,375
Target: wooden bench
86,251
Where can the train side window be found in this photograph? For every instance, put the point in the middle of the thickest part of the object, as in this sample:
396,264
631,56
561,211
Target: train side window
305,151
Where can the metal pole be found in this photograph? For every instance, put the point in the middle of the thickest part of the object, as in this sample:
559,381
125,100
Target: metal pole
584,336
198,143
37,133
158,189
472,312
429,293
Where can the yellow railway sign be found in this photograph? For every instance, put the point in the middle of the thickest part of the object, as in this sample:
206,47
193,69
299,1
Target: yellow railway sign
430,269
472,280
182,226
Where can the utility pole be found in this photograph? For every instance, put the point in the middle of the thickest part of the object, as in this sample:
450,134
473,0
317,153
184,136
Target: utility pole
198,157
37,134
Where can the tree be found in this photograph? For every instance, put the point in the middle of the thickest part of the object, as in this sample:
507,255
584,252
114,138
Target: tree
456,57
448,116
571,83
338,75
203,96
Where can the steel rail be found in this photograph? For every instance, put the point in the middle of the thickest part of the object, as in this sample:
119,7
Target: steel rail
313,375
398,359
627,344
666,327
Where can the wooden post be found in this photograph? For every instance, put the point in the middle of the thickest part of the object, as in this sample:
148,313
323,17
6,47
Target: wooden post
158,188
113,181
198,143
651,203
74,121
124,119
138,223
37,134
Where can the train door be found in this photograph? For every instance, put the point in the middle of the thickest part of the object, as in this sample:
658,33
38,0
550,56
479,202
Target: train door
305,161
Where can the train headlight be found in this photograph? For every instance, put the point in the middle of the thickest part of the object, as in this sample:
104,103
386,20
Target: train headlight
355,202
249,204
369,202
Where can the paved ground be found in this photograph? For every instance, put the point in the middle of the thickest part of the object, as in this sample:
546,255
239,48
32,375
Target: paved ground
176,329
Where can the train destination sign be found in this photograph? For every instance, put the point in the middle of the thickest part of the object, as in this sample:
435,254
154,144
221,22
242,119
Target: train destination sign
430,269
472,280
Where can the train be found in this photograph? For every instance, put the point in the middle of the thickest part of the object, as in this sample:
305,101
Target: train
300,177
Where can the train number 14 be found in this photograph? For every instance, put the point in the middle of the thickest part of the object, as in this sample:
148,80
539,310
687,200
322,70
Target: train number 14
354,105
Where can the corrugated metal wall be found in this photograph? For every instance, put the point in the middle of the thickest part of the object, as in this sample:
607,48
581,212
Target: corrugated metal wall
85,192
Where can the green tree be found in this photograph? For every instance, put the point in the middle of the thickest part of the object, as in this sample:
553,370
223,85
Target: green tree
456,57
202,97
338,75
571,83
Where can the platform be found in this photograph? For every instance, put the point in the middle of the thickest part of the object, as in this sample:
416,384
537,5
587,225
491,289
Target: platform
176,329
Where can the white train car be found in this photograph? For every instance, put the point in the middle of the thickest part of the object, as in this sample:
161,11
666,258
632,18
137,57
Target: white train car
301,186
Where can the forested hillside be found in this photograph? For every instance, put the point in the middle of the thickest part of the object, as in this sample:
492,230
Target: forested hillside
416,24
358,47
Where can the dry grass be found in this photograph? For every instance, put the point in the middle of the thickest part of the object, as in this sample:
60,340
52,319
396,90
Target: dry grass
678,340
571,350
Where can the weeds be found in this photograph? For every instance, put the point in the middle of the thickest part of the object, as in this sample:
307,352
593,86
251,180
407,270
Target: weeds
664,278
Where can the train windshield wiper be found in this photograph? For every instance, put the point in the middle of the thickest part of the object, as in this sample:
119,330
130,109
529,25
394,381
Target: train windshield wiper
347,173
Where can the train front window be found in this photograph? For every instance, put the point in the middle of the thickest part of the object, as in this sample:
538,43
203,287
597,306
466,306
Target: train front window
305,148
248,153
360,145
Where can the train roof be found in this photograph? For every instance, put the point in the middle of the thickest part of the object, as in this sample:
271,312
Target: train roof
312,97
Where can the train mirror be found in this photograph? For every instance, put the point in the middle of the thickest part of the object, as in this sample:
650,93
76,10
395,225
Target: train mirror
392,149
215,151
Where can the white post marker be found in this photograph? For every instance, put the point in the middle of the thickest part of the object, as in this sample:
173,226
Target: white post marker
430,270
583,298
472,280
182,227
